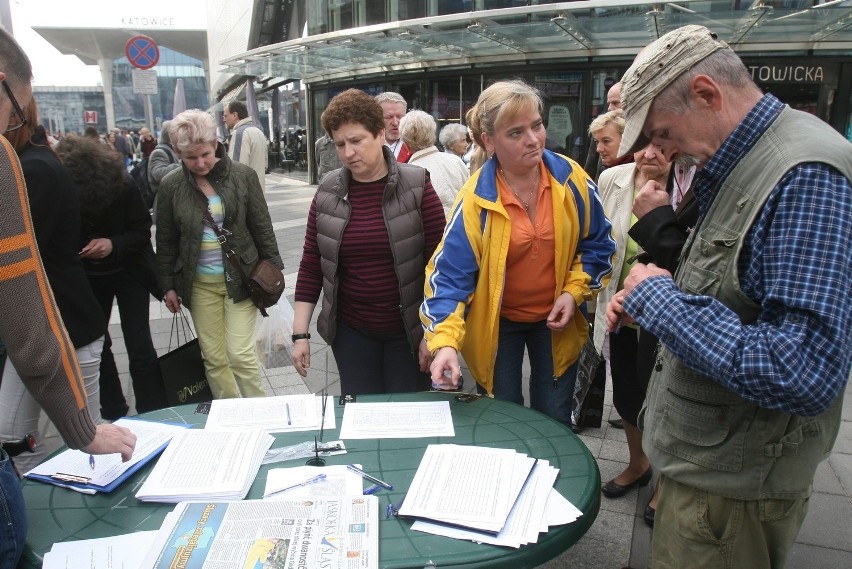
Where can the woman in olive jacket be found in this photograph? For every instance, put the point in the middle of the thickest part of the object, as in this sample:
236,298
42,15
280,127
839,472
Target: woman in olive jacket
192,267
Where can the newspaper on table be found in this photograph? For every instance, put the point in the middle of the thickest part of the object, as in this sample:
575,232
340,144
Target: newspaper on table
330,532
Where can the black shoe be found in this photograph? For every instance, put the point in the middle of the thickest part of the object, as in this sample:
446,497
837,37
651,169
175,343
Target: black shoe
616,423
648,515
576,429
614,490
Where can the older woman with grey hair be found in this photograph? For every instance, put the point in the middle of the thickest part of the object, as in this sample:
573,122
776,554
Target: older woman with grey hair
454,139
447,171
190,262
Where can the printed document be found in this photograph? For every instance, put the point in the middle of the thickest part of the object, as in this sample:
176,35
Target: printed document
109,471
339,481
283,413
467,486
397,420
525,520
118,552
331,532
206,465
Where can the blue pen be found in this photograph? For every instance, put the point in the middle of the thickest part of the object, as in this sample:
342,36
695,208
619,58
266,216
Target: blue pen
372,489
317,478
372,479
289,420
92,461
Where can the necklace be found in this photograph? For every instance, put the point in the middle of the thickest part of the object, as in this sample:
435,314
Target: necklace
524,202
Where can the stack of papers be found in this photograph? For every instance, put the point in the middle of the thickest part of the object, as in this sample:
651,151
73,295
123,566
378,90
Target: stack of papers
280,414
206,465
319,532
488,495
72,469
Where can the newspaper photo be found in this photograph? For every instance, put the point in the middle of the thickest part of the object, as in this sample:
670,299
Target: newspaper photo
307,533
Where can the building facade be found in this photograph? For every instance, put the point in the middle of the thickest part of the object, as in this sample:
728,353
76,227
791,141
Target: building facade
440,54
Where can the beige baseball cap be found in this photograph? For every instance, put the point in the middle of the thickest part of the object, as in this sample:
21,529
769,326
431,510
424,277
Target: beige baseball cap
655,68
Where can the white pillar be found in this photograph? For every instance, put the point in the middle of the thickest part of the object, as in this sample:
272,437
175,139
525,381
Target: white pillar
106,76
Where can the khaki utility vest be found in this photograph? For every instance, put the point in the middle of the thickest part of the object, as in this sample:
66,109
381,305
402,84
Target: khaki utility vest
696,431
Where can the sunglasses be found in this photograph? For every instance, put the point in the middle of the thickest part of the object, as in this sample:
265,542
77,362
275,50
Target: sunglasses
17,107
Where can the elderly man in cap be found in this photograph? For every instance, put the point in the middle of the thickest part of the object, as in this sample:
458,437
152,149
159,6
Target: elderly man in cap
756,339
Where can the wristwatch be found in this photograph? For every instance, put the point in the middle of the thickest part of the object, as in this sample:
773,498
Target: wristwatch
305,336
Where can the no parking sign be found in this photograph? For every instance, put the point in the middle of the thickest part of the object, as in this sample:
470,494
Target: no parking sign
142,52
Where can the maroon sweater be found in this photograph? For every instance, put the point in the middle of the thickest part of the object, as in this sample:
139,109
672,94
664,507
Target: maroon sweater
368,293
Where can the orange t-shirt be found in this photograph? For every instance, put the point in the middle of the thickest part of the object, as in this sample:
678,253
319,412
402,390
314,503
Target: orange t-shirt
531,261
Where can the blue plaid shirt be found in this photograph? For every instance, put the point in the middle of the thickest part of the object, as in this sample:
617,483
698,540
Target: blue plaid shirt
796,263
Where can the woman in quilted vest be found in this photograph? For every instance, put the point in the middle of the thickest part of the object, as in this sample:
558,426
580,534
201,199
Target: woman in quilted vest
372,227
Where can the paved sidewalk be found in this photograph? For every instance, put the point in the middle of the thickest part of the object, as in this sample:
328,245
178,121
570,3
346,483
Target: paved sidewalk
619,536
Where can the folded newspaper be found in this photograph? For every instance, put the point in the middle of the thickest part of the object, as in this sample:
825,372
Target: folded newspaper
330,532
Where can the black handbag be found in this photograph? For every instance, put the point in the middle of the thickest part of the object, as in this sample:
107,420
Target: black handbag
590,387
184,379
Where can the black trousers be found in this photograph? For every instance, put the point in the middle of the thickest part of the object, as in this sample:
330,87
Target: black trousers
376,362
133,306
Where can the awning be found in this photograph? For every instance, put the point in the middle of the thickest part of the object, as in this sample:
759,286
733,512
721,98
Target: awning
596,29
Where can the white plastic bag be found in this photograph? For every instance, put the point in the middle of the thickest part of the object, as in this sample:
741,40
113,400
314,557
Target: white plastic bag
272,336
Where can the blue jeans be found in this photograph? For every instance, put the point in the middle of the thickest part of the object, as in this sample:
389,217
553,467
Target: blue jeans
13,515
552,396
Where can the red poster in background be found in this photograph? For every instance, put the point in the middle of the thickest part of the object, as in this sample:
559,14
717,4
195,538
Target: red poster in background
90,117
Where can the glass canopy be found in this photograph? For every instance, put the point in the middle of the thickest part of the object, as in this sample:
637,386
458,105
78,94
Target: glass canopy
596,29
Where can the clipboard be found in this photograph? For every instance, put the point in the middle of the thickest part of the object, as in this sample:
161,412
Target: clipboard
71,469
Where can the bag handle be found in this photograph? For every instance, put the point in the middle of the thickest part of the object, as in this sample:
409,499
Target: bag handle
180,324
222,238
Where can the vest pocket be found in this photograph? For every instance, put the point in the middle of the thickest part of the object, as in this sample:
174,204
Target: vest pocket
698,430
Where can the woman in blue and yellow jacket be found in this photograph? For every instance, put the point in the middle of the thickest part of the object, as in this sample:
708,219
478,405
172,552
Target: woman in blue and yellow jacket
526,244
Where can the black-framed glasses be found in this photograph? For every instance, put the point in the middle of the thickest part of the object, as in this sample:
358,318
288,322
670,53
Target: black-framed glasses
18,110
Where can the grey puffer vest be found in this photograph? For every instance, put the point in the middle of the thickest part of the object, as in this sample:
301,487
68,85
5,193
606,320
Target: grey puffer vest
696,431
403,219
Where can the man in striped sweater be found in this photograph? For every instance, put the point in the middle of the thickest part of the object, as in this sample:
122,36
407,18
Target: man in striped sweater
30,325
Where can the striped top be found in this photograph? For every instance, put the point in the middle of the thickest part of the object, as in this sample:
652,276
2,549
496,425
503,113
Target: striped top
368,288
210,266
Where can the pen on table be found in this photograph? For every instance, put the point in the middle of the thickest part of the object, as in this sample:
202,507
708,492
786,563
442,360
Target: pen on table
92,461
372,479
317,478
373,489
289,420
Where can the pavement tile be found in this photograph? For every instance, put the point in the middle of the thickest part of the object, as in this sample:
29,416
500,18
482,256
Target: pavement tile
821,525
841,466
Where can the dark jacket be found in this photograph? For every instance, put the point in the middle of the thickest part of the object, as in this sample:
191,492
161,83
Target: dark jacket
56,220
180,225
403,218
127,223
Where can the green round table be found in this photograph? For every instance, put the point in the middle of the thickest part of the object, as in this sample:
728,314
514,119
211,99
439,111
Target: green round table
57,514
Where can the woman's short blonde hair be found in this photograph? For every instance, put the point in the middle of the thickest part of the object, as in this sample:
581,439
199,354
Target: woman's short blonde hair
417,130
502,101
614,117
191,128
